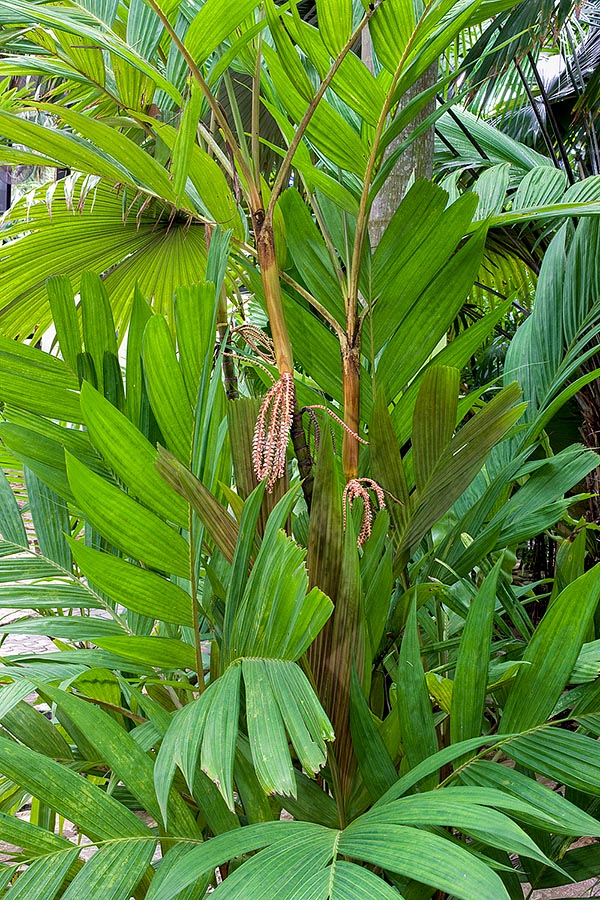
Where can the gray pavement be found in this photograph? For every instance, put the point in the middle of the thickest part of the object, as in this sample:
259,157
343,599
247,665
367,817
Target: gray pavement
582,890
16,644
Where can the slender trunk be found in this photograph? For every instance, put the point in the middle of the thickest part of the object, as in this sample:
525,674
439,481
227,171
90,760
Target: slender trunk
344,640
415,162
351,385
269,270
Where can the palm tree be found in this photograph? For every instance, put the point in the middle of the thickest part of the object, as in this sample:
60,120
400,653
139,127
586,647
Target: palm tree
322,614
544,97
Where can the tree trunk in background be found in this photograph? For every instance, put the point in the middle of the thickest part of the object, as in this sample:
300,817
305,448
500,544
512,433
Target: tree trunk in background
416,161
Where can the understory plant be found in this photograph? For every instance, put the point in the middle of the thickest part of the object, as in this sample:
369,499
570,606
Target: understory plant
271,541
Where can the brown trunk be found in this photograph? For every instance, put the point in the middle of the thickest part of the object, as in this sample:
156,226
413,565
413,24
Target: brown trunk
351,385
347,625
269,270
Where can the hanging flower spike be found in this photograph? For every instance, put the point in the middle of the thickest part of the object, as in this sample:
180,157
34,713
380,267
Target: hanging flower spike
257,340
360,487
313,424
272,431
341,422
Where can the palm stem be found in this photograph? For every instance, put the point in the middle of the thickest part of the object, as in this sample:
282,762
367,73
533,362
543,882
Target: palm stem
195,609
351,348
351,386
269,271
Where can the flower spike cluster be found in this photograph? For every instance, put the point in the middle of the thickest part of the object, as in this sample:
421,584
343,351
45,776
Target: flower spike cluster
360,487
258,341
337,419
272,431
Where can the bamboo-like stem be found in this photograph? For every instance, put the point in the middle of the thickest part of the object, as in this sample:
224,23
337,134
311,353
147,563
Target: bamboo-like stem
351,386
195,609
267,258
265,245
351,347
362,220
263,227
269,271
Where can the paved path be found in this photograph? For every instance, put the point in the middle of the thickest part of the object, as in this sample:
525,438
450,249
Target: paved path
15,644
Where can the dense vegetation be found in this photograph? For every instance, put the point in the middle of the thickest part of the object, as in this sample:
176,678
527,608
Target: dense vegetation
281,423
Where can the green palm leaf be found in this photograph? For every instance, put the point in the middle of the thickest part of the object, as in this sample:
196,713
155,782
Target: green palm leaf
551,654
133,587
126,523
97,814
113,234
44,877
113,872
